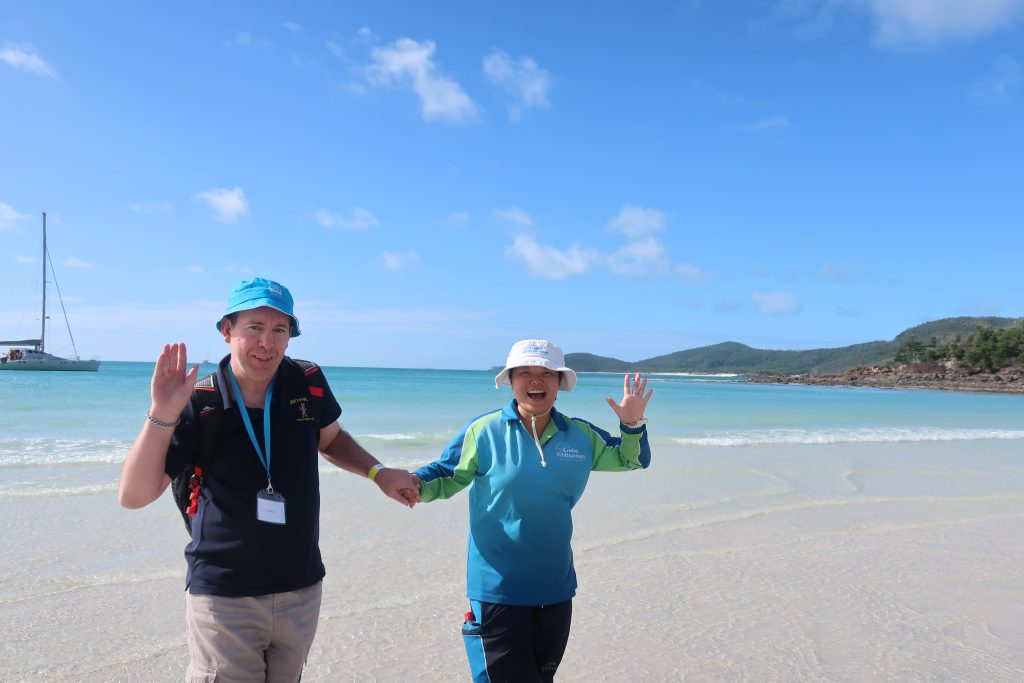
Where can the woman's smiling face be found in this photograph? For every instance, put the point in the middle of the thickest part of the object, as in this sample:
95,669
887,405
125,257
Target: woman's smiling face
535,388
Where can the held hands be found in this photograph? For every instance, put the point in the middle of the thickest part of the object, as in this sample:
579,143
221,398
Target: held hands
634,402
399,485
172,383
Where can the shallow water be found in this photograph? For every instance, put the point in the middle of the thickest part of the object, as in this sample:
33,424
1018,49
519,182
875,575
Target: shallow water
782,534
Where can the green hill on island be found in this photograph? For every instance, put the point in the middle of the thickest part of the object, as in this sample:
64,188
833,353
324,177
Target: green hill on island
733,357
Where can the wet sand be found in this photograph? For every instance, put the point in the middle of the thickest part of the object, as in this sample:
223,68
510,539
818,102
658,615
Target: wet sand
846,562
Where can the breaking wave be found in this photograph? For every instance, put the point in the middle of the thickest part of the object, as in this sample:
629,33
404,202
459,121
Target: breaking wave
835,436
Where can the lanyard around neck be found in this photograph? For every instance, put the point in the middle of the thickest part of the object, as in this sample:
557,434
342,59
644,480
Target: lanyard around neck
265,459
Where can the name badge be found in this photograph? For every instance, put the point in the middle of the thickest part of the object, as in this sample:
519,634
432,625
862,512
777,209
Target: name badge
270,507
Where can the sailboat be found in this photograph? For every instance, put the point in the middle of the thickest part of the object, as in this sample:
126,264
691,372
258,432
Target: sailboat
30,354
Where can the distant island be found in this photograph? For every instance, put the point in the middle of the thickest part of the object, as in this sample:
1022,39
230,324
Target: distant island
960,354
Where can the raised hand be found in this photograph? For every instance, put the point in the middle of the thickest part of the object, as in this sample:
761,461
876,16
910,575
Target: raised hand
634,401
142,474
172,383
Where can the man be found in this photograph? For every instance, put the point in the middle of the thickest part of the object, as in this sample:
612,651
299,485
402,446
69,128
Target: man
254,565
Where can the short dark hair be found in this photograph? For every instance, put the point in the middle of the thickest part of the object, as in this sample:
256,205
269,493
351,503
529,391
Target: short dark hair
231,318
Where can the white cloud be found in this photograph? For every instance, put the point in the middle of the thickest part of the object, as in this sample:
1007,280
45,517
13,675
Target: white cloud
1002,78
526,82
456,219
776,303
839,271
9,217
766,125
24,57
900,23
643,257
366,36
73,262
154,207
412,62
545,261
335,48
396,260
230,205
246,39
636,221
515,215
640,255
916,22
360,220
293,27
692,274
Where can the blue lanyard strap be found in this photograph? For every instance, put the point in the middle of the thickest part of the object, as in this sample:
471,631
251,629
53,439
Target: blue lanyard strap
248,423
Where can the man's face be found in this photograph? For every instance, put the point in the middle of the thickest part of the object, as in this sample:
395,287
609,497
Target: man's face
258,339
534,388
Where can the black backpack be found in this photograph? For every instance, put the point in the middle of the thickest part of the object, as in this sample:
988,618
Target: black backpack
186,486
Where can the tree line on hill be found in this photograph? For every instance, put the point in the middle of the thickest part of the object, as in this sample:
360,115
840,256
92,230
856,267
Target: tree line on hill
985,342
987,349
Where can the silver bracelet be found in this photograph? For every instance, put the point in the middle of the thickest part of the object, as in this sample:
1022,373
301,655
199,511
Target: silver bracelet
636,425
161,423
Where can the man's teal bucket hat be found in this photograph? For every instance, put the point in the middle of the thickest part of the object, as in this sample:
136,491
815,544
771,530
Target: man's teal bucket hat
257,292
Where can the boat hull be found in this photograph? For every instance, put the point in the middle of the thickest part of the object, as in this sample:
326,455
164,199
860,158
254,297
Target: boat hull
34,360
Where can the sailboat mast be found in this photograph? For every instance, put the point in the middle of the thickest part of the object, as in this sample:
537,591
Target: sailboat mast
42,334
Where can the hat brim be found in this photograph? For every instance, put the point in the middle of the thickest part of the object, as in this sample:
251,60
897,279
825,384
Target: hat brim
566,383
258,303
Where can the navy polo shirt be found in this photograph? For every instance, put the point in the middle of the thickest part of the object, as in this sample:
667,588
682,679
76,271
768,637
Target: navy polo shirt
232,553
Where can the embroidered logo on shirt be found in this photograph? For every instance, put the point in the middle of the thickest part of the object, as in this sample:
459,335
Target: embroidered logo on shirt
302,408
567,452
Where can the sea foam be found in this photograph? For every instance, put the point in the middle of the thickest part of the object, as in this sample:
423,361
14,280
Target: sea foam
832,436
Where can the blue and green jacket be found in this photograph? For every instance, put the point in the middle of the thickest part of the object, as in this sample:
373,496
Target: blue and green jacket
520,513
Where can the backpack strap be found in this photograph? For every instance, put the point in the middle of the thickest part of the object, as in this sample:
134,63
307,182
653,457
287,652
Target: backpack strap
315,383
208,408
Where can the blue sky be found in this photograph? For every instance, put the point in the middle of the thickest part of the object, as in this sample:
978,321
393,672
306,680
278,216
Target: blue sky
434,181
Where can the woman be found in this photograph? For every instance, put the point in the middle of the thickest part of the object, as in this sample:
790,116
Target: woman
528,465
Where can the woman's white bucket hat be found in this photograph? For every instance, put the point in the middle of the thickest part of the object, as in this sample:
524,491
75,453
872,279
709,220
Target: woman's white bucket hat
537,353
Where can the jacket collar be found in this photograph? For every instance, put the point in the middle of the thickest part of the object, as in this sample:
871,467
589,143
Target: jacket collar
511,414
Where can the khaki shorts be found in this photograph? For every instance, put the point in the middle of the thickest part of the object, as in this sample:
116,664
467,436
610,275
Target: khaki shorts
265,638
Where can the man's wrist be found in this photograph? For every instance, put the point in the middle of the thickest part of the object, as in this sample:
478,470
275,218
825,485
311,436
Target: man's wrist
642,422
374,471
162,423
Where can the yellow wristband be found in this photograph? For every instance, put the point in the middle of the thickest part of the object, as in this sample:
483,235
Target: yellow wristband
372,474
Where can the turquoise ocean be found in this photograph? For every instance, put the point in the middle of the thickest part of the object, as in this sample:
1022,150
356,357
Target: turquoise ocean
67,433
782,533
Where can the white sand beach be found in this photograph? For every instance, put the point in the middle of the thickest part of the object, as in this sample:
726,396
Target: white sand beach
848,562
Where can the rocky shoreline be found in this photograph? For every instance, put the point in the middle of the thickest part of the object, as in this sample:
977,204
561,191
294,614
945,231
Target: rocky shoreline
947,377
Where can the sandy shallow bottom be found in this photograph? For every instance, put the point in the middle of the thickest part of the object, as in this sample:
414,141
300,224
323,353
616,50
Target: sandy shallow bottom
865,562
